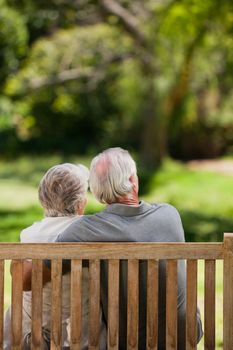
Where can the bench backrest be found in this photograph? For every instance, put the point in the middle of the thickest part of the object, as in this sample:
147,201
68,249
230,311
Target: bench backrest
113,253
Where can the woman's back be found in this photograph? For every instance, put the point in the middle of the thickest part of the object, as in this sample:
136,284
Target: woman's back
46,231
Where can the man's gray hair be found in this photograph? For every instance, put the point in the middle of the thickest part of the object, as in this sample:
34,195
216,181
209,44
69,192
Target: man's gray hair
63,188
109,175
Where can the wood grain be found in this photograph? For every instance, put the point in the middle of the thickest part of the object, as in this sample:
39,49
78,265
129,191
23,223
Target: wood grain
76,304
94,306
107,251
228,292
37,302
56,329
171,305
1,302
132,306
209,310
113,305
191,306
16,304
152,305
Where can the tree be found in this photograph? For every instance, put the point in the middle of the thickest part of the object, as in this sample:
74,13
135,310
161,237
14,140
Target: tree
94,50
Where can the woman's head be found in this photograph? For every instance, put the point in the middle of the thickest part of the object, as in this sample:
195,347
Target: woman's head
63,189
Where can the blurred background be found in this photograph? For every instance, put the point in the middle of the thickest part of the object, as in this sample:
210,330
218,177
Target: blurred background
153,76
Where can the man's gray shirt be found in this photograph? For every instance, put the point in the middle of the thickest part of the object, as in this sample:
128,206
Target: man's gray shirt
143,223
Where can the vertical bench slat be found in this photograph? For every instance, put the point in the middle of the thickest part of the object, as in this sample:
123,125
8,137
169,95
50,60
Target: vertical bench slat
191,305
152,305
209,332
16,304
36,304
227,292
56,329
113,304
132,307
76,304
94,300
1,302
171,305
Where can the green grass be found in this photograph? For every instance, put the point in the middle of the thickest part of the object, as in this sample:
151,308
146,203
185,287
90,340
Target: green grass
204,200
29,170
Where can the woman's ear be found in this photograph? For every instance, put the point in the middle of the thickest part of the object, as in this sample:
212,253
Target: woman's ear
81,207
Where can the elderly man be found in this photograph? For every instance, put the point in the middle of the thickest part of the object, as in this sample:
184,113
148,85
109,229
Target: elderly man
114,181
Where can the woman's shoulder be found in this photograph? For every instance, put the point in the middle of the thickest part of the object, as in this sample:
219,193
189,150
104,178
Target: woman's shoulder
46,230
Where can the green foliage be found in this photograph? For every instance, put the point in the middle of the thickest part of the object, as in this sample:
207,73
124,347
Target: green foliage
13,39
79,79
81,112
6,110
68,49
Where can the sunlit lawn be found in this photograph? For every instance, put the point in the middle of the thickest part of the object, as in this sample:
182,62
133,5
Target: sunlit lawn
203,199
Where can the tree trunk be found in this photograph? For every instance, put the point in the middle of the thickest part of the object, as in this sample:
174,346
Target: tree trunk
153,147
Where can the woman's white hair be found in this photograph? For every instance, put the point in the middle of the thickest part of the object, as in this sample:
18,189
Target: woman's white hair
110,172
63,189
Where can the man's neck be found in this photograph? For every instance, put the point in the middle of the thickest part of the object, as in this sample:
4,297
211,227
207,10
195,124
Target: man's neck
129,200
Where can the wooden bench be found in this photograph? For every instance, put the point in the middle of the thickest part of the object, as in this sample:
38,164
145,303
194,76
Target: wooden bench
113,252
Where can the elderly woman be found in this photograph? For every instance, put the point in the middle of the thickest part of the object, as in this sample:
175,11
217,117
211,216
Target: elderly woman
62,194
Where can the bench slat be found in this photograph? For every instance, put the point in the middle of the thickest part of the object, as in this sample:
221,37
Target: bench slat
152,305
171,305
16,304
227,292
132,306
56,330
209,305
94,306
37,301
76,304
1,302
191,306
113,304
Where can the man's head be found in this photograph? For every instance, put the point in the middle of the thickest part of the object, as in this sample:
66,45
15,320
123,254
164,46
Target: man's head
113,176
63,189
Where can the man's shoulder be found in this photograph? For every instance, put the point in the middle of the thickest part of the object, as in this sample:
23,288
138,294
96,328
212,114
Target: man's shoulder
85,219
80,230
160,208
168,211
164,208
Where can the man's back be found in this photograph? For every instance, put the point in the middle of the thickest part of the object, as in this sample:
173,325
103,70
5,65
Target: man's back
142,223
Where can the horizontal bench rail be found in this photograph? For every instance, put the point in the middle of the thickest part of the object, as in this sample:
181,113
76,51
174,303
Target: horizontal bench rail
97,250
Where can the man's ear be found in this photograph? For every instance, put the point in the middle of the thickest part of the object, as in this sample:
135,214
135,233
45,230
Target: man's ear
134,181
